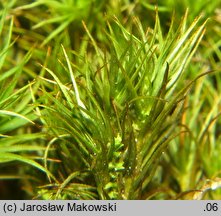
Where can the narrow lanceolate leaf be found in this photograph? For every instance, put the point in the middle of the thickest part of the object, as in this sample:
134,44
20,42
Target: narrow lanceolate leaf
177,53
58,30
10,113
6,44
79,102
66,182
14,157
62,87
187,52
20,148
22,138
